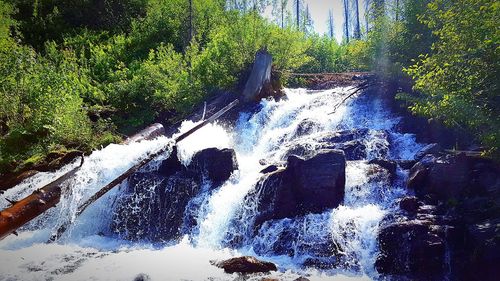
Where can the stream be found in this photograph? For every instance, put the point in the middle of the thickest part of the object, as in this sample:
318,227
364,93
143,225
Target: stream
221,217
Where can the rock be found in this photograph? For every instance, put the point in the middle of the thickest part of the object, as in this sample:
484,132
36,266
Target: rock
406,164
142,277
150,196
353,150
269,169
217,164
306,127
389,165
246,264
432,149
320,263
344,136
301,279
453,176
171,165
411,247
409,204
482,248
309,185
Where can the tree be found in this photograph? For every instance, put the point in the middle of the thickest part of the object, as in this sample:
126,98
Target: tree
368,5
331,24
357,26
279,11
458,80
346,20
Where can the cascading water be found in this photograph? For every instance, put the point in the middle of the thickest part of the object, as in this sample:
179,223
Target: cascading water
338,244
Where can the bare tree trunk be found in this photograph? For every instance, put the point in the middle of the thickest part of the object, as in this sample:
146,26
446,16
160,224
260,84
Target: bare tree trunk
297,10
367,15
346,18
331,24
357,31
190,20
397,10
282,14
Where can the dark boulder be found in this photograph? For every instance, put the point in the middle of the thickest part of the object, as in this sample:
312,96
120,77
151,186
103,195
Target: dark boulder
411,247
345,136
171,165
483,246
269,169
453,176
409,204
245,265
432,149
148,197
309,185
216,164
306,127
406,164
324,263
353,150
389,165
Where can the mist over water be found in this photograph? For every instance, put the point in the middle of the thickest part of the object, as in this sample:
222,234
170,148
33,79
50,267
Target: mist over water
86,251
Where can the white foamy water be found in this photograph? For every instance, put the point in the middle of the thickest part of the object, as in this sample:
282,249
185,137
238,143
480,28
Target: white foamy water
85,253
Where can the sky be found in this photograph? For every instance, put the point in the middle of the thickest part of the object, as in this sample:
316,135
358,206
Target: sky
319,13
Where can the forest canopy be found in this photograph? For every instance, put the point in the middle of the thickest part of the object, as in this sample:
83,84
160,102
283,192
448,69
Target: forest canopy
77,75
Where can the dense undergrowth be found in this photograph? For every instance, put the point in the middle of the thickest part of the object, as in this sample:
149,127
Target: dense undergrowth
81,74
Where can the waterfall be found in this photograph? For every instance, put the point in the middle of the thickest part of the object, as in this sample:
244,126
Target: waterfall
337,244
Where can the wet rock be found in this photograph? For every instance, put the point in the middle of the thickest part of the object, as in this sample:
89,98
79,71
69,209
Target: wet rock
409,204
453,176
142,277
353,150
246,264
306,127
411,247
269,169
432,149
320,263
309,185
344,136
483,244
150,196
389,165
406,164
171,165
216,164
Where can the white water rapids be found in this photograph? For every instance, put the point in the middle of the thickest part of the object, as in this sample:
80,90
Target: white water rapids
85,253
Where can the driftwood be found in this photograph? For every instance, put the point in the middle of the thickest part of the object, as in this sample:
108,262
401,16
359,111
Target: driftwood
41,200
32,206
138,166
359,88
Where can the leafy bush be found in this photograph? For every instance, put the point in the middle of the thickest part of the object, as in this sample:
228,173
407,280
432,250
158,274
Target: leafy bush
459,80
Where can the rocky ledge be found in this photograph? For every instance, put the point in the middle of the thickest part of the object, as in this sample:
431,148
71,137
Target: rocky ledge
451,227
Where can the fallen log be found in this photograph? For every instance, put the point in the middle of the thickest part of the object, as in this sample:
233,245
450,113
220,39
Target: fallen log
32,206
138,166
41,200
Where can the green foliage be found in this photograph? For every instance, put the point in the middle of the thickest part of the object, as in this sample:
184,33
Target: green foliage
44,20
459,80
